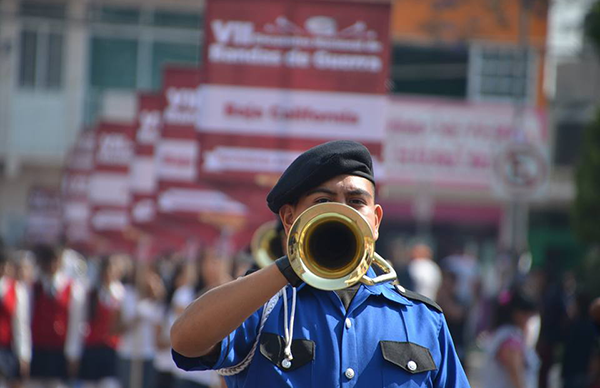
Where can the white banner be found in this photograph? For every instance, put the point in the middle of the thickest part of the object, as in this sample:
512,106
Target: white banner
109,188
224,158
177,160
110,220
199,200
301,114
143,175
144,211
450,143
76,211
258,160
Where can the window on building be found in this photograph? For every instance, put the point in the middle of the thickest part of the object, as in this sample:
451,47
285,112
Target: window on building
45,10
567,148
115,14
113,63
41,45
130,46
502,73
169,53
429,70
166,18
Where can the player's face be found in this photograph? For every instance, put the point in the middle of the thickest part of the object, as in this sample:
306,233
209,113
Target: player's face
351,190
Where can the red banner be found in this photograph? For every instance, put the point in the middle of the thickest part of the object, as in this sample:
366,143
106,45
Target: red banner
282,80
183,198
304,45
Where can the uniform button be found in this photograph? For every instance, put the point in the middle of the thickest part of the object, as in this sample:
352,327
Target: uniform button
412,366
286,363
349,373
348,323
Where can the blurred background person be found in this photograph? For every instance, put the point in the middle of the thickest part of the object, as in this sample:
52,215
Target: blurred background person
465,267
215,270
557,294
99,359
182,278
400,261
579,346
424,272
140,318
15,333
58,312
510,361
455,311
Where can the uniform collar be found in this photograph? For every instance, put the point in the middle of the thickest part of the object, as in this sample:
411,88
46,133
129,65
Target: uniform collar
386,290
389,292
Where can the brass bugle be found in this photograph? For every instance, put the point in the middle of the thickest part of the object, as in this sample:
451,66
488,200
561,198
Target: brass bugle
331,246
267,244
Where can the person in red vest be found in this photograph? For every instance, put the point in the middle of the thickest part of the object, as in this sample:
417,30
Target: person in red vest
56,322
99,360
15,336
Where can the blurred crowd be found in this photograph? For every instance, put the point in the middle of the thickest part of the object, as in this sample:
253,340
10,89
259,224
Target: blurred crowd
535,327
68,320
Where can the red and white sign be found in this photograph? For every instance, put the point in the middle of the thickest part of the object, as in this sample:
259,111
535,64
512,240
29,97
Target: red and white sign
451,143
285,79
143,175
521,170
109,189
44,219
75,190
183,198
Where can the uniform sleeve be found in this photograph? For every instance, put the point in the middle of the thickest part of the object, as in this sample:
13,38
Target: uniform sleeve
451,372
20,324
232,349
74,341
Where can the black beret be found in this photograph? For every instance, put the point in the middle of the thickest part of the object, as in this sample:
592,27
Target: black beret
318,165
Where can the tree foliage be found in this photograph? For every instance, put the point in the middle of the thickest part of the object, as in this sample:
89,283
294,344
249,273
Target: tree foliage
586,210
592,25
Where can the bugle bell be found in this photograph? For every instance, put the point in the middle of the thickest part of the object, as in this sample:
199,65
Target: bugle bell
267,243
331,246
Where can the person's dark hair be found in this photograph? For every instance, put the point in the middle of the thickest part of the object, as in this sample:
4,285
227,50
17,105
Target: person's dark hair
511,301
44,254
95,292
179,270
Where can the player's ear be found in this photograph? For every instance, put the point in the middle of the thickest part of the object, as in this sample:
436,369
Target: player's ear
378,211
286,213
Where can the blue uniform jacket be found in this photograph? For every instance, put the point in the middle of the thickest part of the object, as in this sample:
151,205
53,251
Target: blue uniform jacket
384,339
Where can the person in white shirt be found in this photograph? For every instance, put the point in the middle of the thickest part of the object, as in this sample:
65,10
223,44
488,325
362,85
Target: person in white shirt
140,318
214,272
15,335
425,273
58,312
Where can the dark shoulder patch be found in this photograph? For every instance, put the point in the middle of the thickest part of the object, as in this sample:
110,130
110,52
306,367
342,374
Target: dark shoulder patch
408,294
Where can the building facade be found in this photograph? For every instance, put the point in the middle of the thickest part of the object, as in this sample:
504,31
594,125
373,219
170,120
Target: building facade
63,64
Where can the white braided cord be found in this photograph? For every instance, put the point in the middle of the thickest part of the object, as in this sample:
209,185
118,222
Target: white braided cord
268,308
288,325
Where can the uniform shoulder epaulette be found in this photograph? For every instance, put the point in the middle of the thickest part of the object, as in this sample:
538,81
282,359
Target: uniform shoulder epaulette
408,294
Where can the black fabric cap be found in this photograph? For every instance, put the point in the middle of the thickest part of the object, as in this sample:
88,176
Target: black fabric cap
318,165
